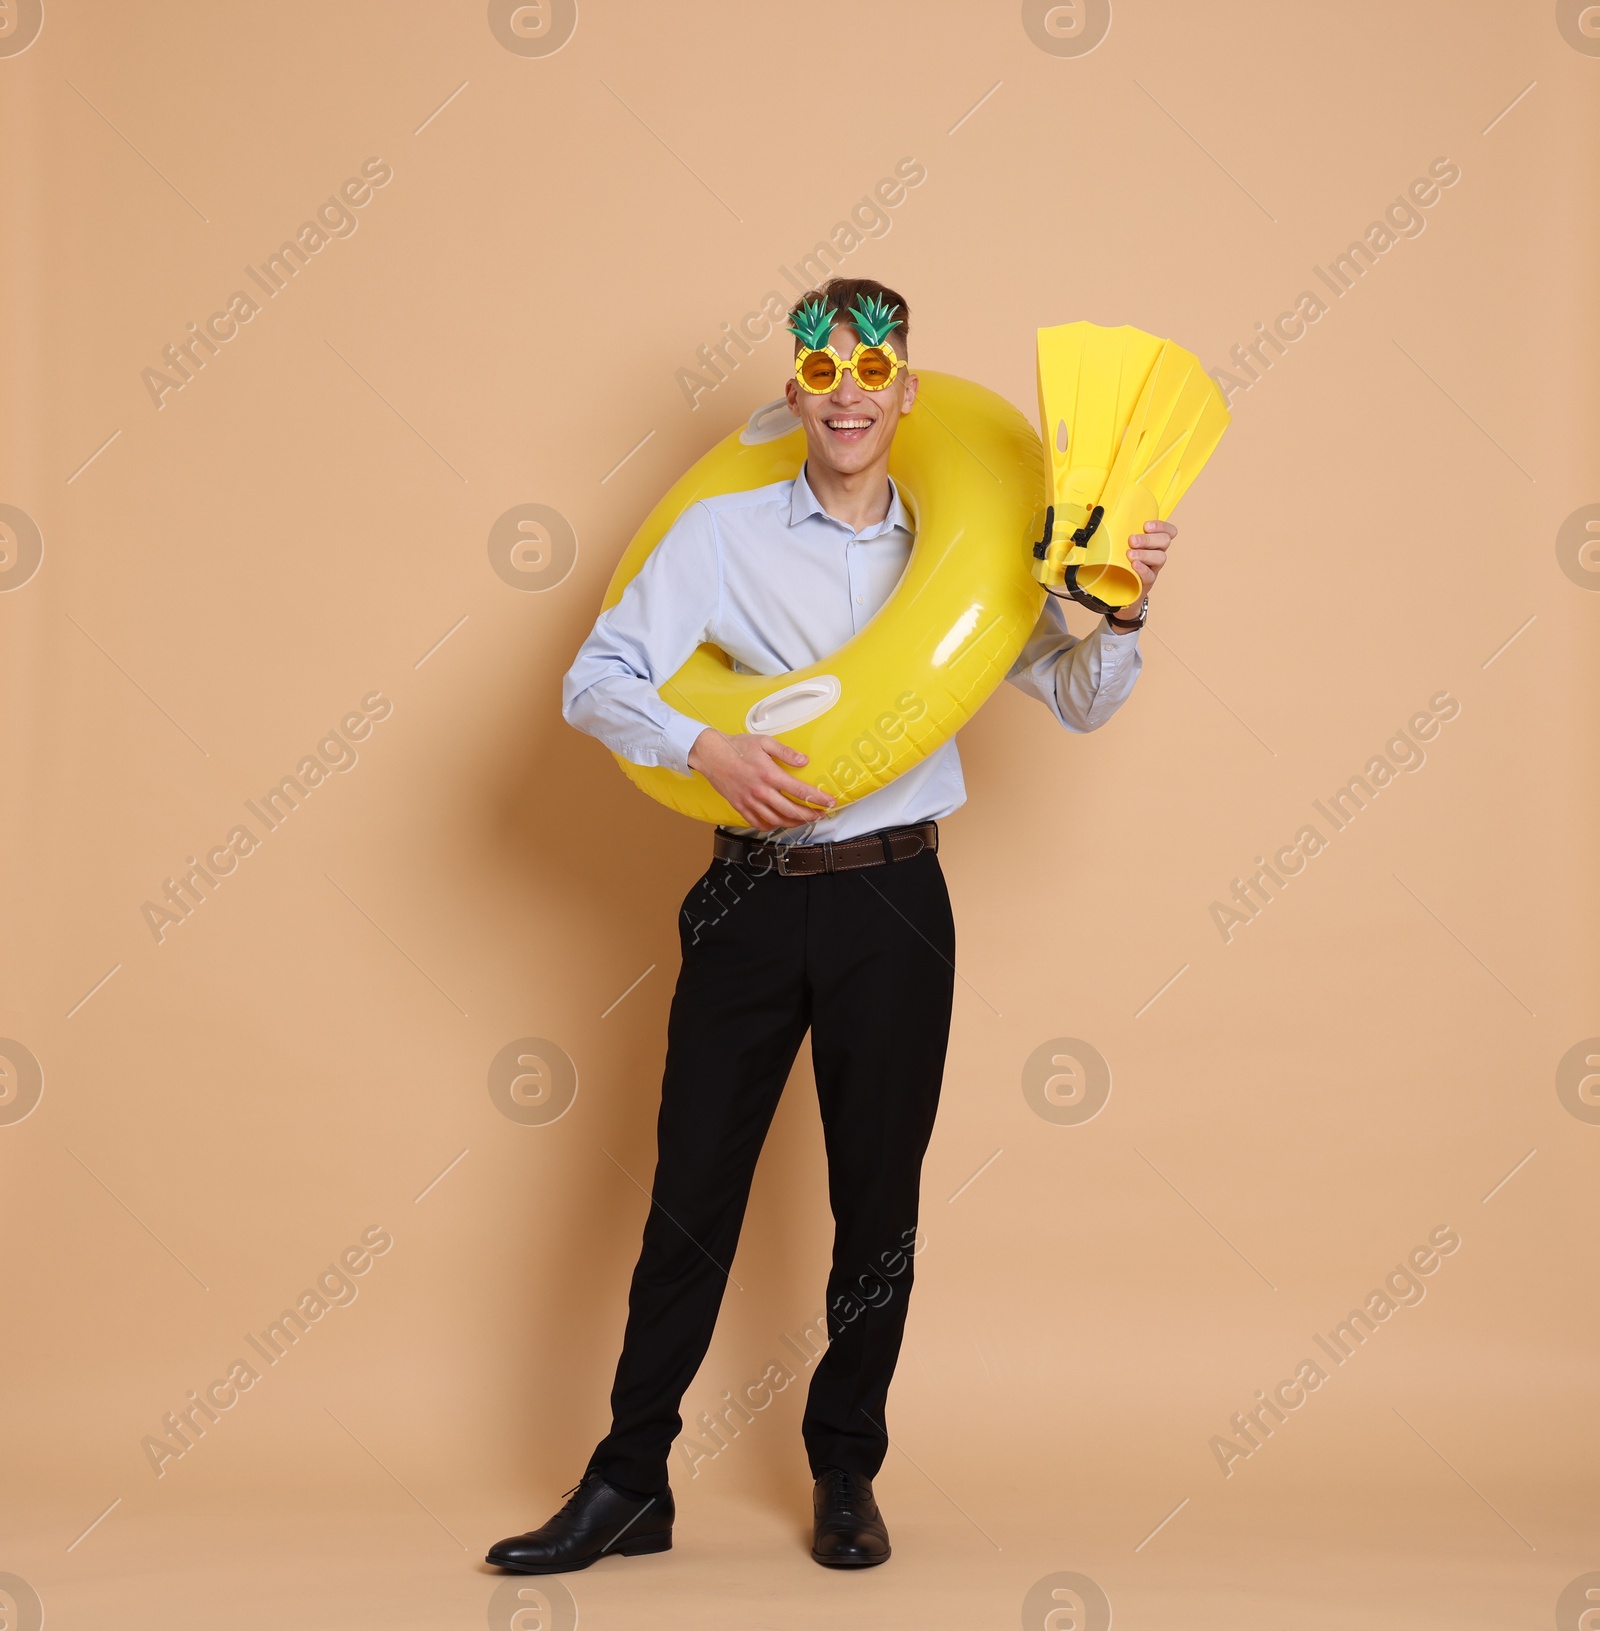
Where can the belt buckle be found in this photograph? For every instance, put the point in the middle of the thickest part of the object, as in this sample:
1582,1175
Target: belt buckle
782,858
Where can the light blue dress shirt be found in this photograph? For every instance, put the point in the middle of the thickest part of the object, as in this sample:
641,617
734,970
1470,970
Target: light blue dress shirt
779,584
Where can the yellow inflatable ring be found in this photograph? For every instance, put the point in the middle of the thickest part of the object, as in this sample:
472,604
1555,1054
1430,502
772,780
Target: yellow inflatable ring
971,470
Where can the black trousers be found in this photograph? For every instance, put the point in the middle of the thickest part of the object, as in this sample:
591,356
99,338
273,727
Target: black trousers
865,959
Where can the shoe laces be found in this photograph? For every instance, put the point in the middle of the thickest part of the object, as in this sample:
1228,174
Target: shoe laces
568,1494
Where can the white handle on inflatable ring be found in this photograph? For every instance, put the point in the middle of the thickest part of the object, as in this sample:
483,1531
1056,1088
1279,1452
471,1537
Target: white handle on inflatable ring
770,421
796,704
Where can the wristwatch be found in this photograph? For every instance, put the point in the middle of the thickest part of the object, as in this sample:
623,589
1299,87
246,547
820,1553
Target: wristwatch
1128,624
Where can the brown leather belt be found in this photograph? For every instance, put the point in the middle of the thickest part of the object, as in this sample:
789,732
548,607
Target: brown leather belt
847,855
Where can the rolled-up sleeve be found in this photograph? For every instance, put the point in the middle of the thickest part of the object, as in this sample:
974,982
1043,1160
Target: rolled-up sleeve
613,689
1082,682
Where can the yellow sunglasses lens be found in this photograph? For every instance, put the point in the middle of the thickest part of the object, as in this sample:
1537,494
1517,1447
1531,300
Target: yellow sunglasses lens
819,372
874,368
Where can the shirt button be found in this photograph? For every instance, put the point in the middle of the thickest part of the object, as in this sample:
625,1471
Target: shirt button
858,600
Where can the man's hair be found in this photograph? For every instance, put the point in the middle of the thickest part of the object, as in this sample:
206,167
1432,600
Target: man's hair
843,292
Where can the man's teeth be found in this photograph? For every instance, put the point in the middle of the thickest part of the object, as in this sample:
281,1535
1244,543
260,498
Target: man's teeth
848,424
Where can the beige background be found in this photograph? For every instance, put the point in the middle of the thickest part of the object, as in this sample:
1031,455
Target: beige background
302,524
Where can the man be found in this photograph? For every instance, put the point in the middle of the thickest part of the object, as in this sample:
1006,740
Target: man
855,943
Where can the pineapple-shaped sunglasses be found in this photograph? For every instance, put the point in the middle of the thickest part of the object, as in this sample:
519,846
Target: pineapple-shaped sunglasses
819,368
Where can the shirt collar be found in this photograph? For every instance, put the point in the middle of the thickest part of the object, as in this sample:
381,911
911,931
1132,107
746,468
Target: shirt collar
803,503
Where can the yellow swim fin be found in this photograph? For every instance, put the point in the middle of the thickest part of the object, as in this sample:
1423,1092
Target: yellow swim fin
1089,384
1128,422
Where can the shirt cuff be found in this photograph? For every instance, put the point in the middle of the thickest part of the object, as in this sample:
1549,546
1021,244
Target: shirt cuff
680,736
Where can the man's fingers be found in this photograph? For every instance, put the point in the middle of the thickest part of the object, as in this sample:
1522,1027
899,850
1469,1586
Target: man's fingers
797,789
765,807
756,813
781,812
775,798
782,750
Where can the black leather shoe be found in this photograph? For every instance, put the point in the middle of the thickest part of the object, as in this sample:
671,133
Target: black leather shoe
597,1522
850,1532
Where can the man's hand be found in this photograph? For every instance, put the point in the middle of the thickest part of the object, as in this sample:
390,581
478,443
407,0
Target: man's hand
748,772
1147,550
1147,554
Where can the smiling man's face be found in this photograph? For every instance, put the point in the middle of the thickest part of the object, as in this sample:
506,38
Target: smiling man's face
849,430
